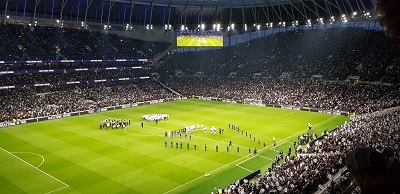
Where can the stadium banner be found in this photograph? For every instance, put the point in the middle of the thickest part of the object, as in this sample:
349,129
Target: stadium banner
77,61
70,70
31,120
42,119
111,108
313,110
74,113
117,107
102,109
140,103
74,82
52,117
305,109
125,106
6,124
83,112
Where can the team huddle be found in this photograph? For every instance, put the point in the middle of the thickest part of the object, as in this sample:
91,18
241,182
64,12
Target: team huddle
114,123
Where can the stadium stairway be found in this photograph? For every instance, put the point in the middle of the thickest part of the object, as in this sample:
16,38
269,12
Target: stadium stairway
166,87
161,55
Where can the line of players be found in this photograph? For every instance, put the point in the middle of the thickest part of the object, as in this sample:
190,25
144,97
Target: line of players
179,145
221,131
114,123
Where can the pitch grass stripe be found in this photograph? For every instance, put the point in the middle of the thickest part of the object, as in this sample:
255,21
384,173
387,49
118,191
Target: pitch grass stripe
282,140
65,185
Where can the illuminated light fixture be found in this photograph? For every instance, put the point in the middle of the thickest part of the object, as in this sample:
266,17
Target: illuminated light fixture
354,13
58,21
203,26
218,27
8,17
182,27
229,28
233,26
258,27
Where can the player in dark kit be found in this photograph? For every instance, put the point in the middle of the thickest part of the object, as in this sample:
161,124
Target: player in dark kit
205,147
216,148
230,143
142,124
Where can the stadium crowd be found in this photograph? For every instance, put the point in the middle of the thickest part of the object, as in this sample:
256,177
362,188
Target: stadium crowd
292,92
321,161
18,42
44,101
334,53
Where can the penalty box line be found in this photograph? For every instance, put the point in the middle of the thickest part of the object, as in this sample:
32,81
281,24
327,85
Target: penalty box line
65,185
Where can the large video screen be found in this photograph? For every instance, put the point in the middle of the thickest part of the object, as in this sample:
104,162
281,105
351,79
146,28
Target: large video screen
195,38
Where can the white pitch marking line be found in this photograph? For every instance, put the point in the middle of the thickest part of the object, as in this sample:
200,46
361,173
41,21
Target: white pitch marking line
207,173
282,140
286,114
32,154
265,157
243,168
65,185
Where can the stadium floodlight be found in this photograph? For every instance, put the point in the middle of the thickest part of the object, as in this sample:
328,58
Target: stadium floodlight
169,26
271,25
245,27
58,21
258,27
233,26
203,26
182,27
151,26
218,27
354,13
8,17
229,28
214,26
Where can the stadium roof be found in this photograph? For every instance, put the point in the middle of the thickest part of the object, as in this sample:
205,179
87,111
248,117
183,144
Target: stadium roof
211,3
186,12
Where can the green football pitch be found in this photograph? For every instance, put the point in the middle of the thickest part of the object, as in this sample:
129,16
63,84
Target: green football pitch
72,155
198,41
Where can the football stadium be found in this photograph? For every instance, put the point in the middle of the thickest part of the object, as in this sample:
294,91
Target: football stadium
193,97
